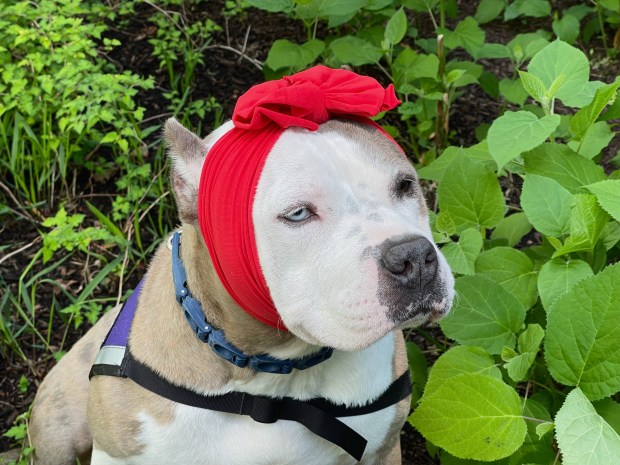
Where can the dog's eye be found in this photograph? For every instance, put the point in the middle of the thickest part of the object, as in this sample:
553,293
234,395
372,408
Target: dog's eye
405,187
298,215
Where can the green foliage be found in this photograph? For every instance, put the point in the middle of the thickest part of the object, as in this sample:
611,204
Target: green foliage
57,97
545,312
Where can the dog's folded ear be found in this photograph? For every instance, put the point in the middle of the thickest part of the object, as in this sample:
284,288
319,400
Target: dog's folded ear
187,152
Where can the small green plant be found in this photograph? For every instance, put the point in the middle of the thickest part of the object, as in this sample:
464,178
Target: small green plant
57,96
538,344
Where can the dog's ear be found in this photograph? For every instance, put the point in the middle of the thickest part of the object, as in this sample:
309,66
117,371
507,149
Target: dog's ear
187,152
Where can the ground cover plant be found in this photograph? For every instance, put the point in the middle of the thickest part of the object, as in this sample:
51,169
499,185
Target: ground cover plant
510,113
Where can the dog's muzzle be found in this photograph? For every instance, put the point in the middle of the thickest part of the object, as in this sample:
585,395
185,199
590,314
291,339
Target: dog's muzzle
409,278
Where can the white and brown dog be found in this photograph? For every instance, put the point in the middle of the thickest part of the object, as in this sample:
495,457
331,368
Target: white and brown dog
357,265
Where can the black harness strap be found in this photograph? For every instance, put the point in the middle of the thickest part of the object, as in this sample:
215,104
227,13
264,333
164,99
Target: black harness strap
318,415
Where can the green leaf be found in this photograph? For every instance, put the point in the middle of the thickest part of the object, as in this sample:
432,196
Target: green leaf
513,91
546,204
512,228
409,66
516,132
533,8
558,60
273,6
587,220
467,34
583,335
587,116
461,255
460,360
355,51
484,315
488,10
558,162
566,28
471,194
418,367
543,429
286,54
513,270
519,366
534,450
525,46
608,195
533,86
531,338
557,277
396,27
597,137
421,6
472,416
583,436
610,411
438,167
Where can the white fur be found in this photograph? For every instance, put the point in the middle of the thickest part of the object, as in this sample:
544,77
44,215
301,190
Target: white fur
205,437
320,275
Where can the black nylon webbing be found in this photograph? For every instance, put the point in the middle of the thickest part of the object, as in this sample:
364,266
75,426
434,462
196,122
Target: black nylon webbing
318,415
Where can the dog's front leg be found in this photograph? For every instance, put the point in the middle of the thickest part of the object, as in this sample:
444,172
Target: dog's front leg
392,457
99,457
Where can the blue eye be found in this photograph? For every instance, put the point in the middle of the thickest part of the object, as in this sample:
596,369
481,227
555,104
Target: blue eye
299,214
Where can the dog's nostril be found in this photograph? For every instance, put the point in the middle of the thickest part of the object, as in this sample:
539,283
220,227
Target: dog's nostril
413,262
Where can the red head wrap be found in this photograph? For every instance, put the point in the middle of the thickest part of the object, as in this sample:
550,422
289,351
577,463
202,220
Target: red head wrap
233,166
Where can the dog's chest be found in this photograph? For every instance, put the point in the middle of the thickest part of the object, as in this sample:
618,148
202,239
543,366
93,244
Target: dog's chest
197,436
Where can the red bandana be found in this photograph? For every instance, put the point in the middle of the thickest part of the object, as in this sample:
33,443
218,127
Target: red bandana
233,166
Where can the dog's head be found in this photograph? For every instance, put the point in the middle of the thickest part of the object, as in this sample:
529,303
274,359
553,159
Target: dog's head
341,227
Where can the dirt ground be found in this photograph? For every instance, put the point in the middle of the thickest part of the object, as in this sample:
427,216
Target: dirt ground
225,76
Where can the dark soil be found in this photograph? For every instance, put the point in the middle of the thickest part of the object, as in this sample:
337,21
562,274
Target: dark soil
225,76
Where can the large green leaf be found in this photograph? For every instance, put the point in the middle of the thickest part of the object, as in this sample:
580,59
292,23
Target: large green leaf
488,10
410,65
471,194
459,360
484,315
461,255
546,204
472,416
286,54
513,270
516,132
596,138
587,220
566,28
561,63
355,51
608,195
587,116
558,162
583,436
396,27
467,34
583,335
557,277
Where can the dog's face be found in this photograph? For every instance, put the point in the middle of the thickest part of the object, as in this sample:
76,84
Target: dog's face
341,228
343,237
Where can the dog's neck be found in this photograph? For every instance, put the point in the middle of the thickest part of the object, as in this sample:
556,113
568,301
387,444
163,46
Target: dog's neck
166,342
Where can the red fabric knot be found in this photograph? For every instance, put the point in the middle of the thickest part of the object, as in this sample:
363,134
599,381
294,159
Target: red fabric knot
310,98
234,164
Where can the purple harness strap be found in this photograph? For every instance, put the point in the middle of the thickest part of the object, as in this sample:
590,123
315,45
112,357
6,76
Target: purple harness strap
119,333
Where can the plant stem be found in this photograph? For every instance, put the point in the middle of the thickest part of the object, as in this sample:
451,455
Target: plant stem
601,24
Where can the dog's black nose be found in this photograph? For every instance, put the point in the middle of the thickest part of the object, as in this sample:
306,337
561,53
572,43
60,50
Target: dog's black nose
412,262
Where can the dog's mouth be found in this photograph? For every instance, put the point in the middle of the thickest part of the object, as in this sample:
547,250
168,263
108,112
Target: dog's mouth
427,312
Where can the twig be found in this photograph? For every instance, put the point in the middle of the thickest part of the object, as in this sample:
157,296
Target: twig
21,249
257,63
14,199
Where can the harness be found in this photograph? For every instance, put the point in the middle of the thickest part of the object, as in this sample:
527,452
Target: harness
318,415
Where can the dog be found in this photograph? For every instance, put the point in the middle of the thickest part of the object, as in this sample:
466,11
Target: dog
344,244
